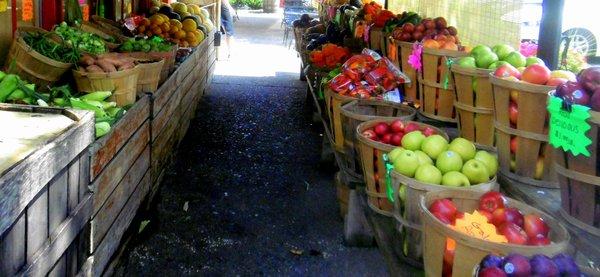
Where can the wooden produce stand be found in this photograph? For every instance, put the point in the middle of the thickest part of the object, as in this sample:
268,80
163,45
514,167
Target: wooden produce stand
45,204
120,179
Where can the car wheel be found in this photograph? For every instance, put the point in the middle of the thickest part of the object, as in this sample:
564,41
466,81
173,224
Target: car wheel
582,41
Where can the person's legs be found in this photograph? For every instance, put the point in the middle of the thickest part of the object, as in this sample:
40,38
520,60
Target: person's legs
227,21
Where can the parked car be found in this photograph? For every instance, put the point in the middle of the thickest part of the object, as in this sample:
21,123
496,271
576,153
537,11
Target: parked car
579,23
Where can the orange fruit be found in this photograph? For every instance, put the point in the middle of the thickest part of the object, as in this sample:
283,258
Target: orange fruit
157,30
175,22
189,25
145,22
165,27
141,28
180,34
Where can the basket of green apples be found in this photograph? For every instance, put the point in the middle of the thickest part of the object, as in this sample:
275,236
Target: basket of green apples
423,164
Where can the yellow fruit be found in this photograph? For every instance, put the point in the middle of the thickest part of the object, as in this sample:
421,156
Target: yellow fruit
145,22
165,27
189,25
156,19
175,22
185,44
164,17
156,30
180,34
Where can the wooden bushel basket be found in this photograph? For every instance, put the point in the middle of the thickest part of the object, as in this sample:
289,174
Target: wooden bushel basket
342,192
299,38
377,40
168,57
373,166
470,250
404,49
333,105
31,65
579,181
359,111
408,215
474,104
149,75
533,150
123,84
97,30
436,102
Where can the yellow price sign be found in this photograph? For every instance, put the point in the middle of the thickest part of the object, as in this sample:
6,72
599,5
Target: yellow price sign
476,225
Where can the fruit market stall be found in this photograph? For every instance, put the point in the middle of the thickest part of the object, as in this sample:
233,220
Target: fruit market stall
486,124
140,80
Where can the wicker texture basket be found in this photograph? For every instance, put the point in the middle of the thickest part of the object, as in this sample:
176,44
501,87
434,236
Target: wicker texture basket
149,75
122,84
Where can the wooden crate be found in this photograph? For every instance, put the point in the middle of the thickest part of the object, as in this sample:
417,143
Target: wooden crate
437,102
333,107
45,204
474,104
377,40
120,160
530,132
580,184
342,192
469,250
373,166
402,52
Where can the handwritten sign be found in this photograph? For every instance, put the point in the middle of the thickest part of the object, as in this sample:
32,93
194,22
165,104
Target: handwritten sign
27,10
476,225
85,12
568,128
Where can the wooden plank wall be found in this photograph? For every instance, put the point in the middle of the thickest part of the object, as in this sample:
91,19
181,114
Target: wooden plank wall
46,204
119,162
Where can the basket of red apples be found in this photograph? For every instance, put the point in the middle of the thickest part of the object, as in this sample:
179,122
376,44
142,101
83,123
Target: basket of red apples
521,122
423,164
359,111
379,137
579,176
461,228
537,265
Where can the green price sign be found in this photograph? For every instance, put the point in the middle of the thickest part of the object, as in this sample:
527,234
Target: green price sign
568,128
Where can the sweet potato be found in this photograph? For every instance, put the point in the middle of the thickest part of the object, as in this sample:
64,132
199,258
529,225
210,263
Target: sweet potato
106,65
125,66
94,69
86,60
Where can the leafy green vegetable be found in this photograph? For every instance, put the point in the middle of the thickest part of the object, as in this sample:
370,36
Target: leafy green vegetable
80,40
42,43
145,45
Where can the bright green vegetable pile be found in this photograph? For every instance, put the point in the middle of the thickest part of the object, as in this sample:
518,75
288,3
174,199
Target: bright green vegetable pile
145,45
41,43
14,90
83,41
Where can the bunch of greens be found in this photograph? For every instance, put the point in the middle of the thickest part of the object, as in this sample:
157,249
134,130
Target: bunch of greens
83,41
43,44
145,45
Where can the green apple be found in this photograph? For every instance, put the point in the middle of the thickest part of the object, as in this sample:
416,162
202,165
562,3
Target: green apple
533,60
427,173
413,140
434,145
406,163
466,62
490,161
449,161
394,154
477,50
483,60
516,59
402,192
464,147
497,64
476,171
423,158
502,50
520,69
455,179
563,74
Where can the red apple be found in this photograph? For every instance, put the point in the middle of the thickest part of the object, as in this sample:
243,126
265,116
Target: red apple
513,233
535,226
370,134
397,126
536,74
573,92
387,138
428,23
490,201
440,23
443,218
417,36
512,215
492,272
405,37
590,78
444,207
382,128
513,145
411,126
428,131
507,70
420,28
408,28
397,139
487,214
538,241
513,112
452,30
556,81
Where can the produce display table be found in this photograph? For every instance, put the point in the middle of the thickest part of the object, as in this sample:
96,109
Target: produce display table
45,204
